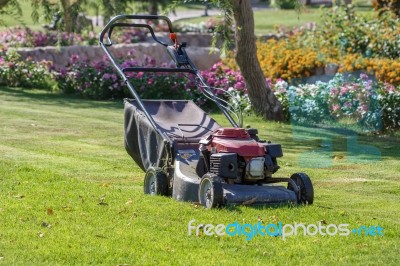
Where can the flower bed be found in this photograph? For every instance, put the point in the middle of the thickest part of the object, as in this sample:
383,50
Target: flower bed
98,80
25,37
357,101
28,74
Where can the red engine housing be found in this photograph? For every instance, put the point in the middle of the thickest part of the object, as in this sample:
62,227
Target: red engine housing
235,140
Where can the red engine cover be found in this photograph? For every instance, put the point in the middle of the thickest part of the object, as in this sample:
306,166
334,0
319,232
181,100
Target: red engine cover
236,140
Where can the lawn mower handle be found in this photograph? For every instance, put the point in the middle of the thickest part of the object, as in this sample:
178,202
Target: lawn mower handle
190,69
112,24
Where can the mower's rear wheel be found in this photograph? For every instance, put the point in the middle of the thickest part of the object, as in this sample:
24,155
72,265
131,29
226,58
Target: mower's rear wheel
211,193
155,182
306,190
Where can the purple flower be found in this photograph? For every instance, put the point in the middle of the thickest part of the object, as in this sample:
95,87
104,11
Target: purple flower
106,76
363,76
347,104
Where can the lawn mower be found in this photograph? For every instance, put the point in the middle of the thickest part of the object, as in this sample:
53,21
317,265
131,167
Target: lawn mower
184,152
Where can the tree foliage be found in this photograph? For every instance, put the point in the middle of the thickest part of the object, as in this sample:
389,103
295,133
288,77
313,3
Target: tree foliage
387,5
70,9
151,6
10,7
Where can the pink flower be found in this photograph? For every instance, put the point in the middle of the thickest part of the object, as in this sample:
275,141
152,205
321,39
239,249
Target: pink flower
344,90
363,107
389,88
74,58
269,82
335,107
239,85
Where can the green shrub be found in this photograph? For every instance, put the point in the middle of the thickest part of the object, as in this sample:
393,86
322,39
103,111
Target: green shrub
287,4
28,74
390,102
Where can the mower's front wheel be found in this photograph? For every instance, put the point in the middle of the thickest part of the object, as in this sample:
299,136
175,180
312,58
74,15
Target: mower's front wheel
306,190
211,193
155,182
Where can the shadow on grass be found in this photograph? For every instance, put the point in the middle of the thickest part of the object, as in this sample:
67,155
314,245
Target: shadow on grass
58,98
261,206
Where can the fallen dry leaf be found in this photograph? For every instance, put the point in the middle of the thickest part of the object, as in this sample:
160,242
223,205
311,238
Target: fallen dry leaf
338,157
196,204
49,211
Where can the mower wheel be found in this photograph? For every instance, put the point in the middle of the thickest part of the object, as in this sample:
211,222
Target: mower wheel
155,182
211,192
306,190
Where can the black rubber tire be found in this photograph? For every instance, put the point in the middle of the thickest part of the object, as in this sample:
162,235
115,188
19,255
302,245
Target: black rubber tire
211,193
303,181
155,182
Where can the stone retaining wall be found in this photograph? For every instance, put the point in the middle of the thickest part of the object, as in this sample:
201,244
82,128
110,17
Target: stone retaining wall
198,48
60,56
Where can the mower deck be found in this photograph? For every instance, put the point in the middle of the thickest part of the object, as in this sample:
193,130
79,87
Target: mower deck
186,185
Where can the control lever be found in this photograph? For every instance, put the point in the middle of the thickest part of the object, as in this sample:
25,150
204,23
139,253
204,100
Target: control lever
178,54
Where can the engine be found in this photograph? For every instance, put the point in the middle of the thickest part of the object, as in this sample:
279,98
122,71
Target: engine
237,155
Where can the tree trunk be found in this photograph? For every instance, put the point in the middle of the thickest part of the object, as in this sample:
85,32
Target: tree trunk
68,15
153,7
261,96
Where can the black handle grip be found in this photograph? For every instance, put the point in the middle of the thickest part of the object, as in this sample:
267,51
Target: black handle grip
113,23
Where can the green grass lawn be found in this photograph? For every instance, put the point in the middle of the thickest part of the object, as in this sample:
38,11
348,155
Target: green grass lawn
70,194
267,20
